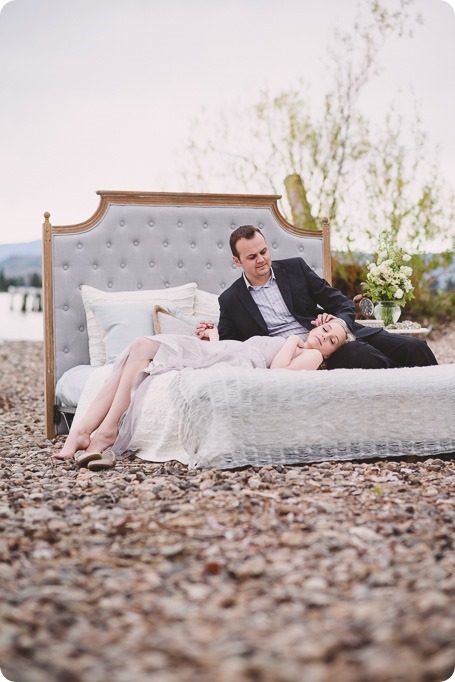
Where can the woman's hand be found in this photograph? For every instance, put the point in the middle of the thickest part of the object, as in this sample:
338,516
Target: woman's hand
284,356
203,328
207,331
294,355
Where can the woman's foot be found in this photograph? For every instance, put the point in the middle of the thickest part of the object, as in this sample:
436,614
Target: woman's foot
102,440
77,440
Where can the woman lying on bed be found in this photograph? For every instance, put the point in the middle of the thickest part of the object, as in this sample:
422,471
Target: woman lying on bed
97,439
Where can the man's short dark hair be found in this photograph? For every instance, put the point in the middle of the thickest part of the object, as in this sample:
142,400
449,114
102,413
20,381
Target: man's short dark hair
242,232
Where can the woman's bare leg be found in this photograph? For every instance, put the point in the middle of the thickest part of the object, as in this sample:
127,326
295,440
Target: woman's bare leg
79,436
112,401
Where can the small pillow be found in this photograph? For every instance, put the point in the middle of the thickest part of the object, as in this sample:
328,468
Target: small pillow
121,323
206,306
171,321
181,296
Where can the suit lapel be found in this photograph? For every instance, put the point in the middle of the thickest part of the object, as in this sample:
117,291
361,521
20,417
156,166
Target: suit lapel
249,304
283,286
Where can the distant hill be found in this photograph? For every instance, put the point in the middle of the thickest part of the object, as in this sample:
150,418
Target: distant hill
20,266
23,249
20,260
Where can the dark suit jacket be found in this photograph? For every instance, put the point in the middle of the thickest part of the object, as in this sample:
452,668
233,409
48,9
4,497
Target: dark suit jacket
302,290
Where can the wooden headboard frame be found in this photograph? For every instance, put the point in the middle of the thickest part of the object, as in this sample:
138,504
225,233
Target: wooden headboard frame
152,240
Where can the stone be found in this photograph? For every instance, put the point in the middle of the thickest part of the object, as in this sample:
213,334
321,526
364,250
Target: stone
278,574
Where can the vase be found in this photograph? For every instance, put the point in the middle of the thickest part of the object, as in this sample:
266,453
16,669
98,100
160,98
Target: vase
387,311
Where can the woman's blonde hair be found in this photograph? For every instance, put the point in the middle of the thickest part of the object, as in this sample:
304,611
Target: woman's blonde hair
350,336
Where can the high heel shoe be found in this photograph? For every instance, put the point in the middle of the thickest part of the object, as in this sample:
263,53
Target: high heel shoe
106,461
82,457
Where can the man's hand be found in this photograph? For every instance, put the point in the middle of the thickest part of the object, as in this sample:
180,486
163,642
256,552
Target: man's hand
322,319
203,328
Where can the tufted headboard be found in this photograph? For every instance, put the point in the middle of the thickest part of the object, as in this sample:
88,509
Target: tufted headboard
139,240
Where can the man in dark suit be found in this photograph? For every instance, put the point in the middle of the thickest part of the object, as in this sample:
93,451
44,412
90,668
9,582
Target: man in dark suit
286,297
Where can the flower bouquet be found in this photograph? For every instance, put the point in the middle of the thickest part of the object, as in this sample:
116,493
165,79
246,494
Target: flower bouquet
388,279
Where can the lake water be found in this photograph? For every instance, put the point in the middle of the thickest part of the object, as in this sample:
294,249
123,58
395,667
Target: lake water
16,325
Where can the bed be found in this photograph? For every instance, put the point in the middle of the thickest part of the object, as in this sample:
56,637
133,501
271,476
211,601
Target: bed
148,259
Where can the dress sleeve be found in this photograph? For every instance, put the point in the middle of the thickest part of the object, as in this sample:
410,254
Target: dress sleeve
267,346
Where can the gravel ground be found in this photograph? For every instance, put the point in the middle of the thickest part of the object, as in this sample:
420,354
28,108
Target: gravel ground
336,571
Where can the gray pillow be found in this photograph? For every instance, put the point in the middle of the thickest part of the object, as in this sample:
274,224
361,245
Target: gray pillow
172,321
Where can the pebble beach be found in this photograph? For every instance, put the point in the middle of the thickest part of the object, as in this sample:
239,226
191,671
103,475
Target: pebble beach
148,572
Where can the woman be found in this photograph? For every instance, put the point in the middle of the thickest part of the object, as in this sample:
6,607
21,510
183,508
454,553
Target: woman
97,439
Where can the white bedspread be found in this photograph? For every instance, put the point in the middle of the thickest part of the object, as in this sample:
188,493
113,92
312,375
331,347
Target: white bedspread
225,417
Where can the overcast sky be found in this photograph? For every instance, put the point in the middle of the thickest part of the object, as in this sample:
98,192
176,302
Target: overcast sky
99,94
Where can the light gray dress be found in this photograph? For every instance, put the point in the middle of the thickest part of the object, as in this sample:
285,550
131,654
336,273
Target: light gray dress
178,352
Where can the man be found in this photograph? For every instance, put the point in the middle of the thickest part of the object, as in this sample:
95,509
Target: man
285,297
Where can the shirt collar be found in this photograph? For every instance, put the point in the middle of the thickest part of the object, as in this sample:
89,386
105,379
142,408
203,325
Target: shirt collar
260,286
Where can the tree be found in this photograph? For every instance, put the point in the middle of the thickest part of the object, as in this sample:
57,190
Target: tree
363,179
35,280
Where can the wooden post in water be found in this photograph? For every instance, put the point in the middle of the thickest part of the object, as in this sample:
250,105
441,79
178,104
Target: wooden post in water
34,293
24,301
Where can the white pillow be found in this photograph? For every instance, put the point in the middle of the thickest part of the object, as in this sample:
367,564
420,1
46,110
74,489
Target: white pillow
181,296
122,322
206,306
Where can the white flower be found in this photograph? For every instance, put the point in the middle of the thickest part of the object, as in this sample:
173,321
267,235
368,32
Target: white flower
406,270
388,278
